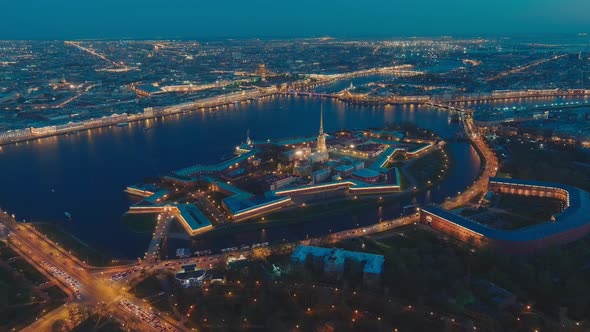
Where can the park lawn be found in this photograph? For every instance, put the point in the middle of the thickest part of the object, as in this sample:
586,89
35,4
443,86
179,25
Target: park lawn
28,271
539,208
427,168
140,222
294,215
93,324
19,304
554,164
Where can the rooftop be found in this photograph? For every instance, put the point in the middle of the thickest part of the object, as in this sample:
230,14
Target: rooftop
372,263
576,215
366,173
194,218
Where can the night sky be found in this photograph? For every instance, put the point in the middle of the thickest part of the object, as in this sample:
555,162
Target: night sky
72,19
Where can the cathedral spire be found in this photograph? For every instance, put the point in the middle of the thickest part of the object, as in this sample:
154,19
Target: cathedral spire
322,119
321,145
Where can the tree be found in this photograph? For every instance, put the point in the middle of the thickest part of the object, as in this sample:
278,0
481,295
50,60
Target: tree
59,325
261,253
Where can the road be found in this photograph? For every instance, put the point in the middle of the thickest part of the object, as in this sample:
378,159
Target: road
160,230
108,286
524,67
488,158
73,275
211,210
45,322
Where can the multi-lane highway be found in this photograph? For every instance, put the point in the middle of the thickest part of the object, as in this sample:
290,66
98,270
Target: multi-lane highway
489,159
90,285
75,277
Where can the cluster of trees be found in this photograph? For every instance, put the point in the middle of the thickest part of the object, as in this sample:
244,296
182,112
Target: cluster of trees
428,167
530,161
438,271
410,129
251,299
21,301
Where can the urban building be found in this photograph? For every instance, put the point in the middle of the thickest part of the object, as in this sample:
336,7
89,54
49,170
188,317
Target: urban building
567,226
190,276
334,262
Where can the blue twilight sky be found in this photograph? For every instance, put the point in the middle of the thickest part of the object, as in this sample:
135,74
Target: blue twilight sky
70,19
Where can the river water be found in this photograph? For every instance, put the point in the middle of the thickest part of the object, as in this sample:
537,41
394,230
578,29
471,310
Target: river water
85,173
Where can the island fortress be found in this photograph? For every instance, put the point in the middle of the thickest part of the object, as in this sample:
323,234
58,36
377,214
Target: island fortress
268,175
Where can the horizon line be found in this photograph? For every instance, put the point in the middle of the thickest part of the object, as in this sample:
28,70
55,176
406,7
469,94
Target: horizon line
314,37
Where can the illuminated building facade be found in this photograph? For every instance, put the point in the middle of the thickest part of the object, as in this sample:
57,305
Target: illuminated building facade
571,224
321,154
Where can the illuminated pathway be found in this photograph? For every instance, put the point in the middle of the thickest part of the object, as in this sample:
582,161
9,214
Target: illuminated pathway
524,67
488,158
98,55
162,225
78,95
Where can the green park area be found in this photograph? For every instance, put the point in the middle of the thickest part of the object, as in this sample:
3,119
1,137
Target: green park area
302,214
430,168
531,210
96,323
514,211
25,293
443,273
140,222
251,299
550,163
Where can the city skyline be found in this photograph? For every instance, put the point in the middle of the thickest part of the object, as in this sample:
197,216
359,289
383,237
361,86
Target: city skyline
66,19
345,166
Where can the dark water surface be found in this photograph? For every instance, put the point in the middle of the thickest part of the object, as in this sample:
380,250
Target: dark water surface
85,173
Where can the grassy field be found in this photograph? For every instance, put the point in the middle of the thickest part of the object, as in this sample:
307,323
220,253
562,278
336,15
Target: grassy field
94,324
540,208
245,301
147,287
56,293
28,271
427,168
555,164
140,222
521,211
298,215
20,303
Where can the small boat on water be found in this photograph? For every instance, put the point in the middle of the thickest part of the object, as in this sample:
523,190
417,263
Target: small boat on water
122,124
68,215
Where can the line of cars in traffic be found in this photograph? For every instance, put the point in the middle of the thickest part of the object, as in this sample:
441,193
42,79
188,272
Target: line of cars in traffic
59,273
121,275
233,249
147,317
